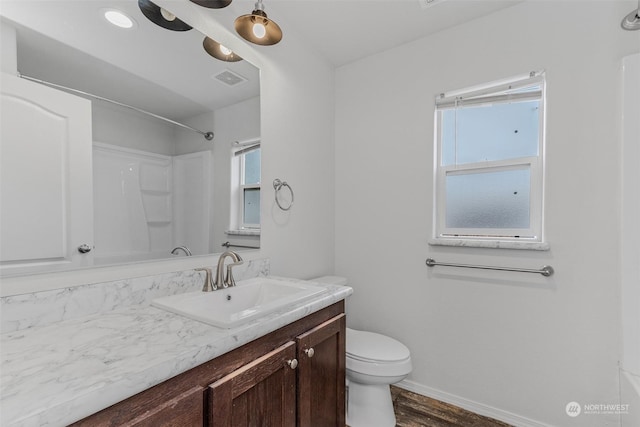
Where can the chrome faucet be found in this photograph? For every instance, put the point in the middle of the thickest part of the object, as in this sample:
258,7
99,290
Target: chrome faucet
221,281
184,249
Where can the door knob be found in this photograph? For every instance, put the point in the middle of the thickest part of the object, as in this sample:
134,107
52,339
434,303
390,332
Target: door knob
310,352
293,363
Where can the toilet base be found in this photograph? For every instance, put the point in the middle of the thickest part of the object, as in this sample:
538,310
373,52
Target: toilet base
370,405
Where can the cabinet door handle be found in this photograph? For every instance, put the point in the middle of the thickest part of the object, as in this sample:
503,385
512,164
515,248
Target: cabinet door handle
310,352
84,248
293,363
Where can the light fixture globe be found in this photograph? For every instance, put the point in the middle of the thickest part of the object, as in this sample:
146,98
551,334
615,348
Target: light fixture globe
258,28
161,17
212,4
219,51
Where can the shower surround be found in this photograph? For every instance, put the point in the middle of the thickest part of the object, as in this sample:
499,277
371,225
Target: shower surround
147,203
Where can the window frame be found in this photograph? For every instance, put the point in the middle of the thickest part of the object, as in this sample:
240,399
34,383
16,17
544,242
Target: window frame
239,153
478,95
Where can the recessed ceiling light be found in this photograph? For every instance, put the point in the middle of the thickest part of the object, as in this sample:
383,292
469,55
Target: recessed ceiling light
118,18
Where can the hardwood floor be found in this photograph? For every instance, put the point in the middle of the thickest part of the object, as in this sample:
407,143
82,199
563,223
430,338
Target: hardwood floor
414,410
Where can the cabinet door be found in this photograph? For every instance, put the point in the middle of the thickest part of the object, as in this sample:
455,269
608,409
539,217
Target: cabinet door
46,207
261,393
321,375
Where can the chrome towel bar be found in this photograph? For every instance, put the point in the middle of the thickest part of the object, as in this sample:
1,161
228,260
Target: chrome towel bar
229,244
546,271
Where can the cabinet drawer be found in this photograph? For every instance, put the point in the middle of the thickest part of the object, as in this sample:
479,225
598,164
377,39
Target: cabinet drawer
183,410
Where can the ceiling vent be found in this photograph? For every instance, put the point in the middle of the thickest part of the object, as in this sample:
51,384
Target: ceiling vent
230,78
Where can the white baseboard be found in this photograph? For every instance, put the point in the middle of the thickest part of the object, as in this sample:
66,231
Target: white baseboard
469,405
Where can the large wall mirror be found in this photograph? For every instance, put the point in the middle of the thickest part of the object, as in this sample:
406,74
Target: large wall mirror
135,187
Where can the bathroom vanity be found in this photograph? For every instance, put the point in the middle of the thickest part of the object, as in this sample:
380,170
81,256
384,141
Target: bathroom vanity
134,364
290,377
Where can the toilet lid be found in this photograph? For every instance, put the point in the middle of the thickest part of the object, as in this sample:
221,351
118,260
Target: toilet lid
369,346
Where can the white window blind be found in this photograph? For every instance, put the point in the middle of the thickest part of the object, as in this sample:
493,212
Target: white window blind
489,150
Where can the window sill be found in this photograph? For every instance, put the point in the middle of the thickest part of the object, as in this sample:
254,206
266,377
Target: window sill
243,232
491,244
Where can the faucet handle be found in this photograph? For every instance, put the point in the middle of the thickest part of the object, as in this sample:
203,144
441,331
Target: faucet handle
209,286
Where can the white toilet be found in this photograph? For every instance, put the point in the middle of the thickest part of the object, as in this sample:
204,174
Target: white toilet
374,362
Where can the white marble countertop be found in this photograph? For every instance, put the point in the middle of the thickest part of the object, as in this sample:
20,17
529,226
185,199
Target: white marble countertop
59,373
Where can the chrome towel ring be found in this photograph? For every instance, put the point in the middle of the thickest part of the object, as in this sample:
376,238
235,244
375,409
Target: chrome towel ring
278,185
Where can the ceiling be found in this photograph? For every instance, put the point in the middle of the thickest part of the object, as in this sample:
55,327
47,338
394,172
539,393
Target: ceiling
348,30
168,72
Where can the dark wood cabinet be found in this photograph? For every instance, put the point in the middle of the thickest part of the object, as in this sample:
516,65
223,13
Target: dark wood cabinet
321,375
183,410
257,384
262,392
300,383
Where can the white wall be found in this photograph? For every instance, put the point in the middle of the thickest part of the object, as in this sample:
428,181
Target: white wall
127,128
630,213
8,55
630,257
517,344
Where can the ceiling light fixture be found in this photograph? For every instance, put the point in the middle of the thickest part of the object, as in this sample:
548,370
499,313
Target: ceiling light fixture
161,17
219,51
212,4
257,28
632,20
118,18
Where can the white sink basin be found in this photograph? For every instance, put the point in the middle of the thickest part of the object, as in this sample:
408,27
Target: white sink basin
231,307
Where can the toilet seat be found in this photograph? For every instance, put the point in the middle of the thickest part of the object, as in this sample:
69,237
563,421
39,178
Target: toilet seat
373,347
378,355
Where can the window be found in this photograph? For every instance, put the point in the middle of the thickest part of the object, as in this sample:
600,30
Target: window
246,187
489,162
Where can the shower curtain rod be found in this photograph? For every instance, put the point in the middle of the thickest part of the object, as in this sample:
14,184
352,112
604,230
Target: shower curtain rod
207,135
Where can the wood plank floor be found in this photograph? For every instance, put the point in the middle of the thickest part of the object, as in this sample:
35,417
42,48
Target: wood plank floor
414,410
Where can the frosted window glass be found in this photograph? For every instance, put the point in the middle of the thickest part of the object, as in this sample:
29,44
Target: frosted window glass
251,206
488,199
252,167
490,132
